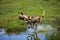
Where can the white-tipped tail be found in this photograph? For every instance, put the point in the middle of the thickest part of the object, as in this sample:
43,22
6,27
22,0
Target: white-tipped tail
43,13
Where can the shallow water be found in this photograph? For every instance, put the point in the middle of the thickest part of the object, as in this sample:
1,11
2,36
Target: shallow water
30,34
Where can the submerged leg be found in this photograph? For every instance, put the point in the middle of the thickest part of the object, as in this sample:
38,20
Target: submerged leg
28,25
36,26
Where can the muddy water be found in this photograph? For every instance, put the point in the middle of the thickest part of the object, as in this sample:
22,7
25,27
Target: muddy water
43,32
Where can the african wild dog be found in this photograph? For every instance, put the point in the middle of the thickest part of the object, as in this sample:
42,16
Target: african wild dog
32,20
29,19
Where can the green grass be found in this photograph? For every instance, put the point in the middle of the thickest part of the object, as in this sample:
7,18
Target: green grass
54,37
9,11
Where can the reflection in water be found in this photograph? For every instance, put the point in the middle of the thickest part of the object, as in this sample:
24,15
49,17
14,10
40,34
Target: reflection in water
33,36
30,34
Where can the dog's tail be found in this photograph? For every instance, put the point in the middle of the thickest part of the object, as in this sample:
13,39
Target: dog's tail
43,14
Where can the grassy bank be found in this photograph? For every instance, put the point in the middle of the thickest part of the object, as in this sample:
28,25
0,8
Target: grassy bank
9,12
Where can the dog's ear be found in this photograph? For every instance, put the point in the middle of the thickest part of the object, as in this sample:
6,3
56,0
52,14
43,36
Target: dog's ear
18,12
22,13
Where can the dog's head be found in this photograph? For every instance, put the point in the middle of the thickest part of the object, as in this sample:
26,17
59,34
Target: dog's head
21,15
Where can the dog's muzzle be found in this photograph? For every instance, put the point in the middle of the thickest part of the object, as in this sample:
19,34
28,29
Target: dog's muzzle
22,18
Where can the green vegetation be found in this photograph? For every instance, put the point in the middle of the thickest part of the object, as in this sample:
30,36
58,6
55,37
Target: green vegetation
54,36
9,12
